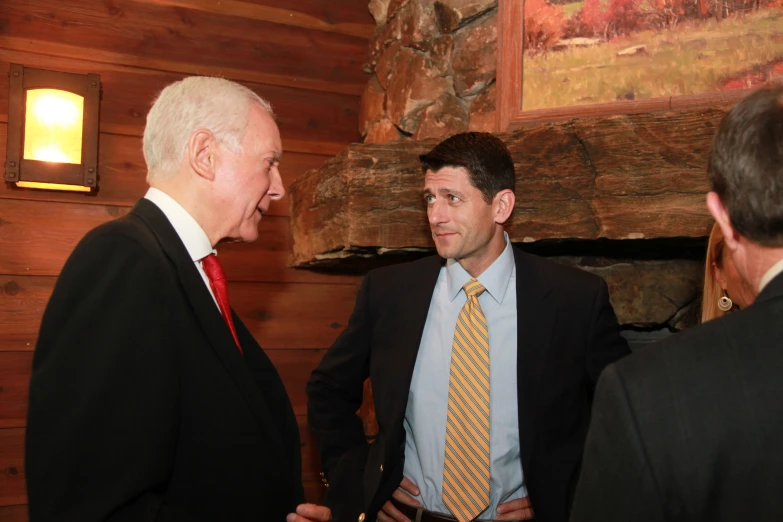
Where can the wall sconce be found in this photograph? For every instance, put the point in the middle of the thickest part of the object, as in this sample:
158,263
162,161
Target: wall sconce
52,130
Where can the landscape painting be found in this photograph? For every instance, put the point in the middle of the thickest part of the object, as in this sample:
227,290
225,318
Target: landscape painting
599,51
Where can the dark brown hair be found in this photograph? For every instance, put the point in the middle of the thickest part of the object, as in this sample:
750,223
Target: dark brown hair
485,157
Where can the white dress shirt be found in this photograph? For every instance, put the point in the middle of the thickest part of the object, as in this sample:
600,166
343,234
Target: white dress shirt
189,231
425,415
776,269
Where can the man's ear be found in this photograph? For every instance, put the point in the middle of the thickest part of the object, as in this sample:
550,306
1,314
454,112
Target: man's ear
202,153
717,275
504,204
721,215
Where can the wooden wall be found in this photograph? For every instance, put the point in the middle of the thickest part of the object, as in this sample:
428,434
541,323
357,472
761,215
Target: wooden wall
306,62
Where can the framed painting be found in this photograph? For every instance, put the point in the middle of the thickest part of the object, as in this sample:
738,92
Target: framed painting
562,59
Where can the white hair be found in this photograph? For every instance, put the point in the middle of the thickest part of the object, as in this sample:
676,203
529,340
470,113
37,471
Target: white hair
198,102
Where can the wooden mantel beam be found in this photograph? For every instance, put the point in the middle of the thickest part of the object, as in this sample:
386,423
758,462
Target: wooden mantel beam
635,176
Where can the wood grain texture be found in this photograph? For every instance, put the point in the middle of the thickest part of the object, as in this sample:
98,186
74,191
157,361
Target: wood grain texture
288,315
36,238
14,513
309,121
344,17
122,175
509,62
15,370
186,40
314,491
22,303
280,316
652,105
622,177
12,479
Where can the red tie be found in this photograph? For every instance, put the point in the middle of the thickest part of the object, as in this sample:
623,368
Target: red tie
217,280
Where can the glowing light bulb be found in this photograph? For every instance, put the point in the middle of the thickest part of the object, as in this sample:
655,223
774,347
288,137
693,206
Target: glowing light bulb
53,126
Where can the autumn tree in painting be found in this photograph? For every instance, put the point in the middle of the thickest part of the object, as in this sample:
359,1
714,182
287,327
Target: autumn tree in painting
598,51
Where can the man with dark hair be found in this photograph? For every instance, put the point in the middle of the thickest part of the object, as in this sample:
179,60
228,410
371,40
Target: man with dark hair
692,429
482,360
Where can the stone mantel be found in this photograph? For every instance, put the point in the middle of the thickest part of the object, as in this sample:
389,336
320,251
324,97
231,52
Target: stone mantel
639,176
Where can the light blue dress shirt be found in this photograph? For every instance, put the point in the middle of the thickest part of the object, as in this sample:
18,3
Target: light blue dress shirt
425,415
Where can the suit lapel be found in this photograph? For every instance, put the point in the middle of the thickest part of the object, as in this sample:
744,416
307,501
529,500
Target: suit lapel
536,316
402,347
416,308
209,317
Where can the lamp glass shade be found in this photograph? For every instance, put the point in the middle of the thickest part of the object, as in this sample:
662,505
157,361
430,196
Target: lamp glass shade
53,126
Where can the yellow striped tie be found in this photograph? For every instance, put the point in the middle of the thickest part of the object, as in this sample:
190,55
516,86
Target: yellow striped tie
466,463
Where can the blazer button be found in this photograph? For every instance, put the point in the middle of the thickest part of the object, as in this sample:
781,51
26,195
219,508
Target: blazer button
381,468
361,517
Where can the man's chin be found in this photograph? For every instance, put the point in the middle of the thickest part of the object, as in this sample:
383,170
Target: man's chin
249,234
443,252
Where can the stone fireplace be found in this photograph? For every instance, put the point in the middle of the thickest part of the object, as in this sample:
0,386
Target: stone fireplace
620,196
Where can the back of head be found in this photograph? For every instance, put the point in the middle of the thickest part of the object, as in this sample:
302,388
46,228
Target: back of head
484,156
198,102
746,166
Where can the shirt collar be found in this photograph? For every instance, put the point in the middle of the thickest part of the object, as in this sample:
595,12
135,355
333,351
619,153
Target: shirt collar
189,231
776,269
495,278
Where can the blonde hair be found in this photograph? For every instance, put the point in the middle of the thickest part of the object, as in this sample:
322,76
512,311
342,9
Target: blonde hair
198,102
712,289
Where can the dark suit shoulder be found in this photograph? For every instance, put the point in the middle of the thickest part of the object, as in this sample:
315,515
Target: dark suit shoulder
744,334
708,399
125,245
400,275
128,229
407,268
714,363
557,276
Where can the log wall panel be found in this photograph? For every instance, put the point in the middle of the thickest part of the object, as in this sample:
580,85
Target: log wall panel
293,316
37,237
309,121
122,175
14,513
346,17
217,42
15,374
280,316
12,478
314,491
22,303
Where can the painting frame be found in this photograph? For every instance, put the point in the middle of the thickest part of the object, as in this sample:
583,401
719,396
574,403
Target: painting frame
510,77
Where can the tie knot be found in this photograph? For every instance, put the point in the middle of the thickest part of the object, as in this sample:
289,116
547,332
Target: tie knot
212,268
473,288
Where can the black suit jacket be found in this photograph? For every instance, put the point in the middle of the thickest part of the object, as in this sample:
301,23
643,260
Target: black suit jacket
692,428
567,332
141,406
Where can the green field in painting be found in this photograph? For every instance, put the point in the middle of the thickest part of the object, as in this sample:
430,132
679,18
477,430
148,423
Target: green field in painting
571,9
693,58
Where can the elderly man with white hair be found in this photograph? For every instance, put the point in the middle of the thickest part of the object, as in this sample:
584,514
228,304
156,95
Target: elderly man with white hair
150,400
